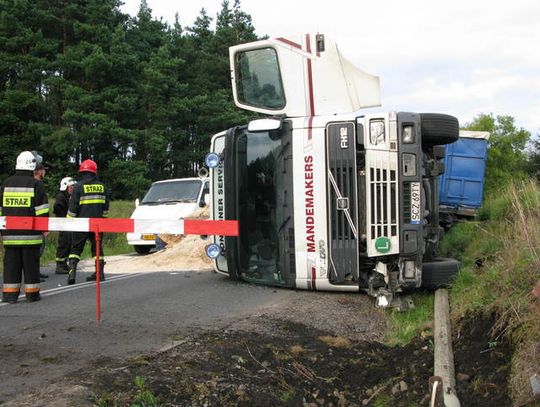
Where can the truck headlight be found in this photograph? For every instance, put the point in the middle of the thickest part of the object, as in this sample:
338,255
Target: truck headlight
212,160
407,134
409,269
213,251
409,165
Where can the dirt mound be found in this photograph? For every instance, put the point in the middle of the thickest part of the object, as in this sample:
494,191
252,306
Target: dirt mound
482,363
183,252
295,366
298,365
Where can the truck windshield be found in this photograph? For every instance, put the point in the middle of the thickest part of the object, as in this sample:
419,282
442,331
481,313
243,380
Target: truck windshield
260,205
172,191
258,80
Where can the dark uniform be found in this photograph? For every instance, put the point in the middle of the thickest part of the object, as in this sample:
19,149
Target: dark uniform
60,210
22,195
89,199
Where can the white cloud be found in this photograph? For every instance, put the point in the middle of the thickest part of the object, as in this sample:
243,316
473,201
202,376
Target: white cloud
463,57
485,91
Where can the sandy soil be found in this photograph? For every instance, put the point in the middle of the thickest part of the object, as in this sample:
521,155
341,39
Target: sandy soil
183,253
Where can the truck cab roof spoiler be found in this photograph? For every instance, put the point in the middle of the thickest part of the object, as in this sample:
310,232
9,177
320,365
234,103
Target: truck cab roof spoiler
298,76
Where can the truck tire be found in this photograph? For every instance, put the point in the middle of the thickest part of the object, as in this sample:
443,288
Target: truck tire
438,129
438,273
142,249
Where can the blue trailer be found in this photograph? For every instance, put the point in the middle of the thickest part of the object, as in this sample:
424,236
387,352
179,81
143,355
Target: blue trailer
461,186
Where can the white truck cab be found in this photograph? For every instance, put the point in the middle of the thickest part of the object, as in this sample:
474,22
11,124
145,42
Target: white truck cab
327,197
168,199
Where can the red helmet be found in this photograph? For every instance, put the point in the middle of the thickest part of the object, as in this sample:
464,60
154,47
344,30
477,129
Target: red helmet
88,166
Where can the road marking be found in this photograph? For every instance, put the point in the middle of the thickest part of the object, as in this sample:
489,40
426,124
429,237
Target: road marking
59,290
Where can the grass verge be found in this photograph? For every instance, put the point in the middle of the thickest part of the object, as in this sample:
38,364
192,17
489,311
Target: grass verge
404,326
500,274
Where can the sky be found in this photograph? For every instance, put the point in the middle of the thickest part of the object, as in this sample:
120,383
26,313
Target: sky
460,57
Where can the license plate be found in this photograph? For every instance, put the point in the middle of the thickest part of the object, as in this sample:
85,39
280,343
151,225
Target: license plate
148,237
415,203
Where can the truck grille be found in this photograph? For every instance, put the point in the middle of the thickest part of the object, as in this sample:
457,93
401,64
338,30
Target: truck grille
342,203
382,200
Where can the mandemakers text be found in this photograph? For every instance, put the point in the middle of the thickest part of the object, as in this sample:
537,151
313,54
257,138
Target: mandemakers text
310,211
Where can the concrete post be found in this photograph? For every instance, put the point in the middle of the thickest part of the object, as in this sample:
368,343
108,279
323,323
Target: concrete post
443,353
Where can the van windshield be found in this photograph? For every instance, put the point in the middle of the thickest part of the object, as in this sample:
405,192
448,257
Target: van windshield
172,191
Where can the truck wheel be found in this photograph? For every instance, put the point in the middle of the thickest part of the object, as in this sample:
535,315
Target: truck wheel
140,249
438,129
439,273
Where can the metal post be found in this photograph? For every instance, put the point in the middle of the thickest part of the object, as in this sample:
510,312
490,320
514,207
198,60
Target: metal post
98,285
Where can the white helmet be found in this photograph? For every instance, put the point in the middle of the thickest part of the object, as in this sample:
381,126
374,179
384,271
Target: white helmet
66,182
26,161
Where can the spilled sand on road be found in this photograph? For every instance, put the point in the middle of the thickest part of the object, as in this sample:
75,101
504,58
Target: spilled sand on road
183,252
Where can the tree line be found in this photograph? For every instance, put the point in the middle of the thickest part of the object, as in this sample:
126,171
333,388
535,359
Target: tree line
80,79
512,152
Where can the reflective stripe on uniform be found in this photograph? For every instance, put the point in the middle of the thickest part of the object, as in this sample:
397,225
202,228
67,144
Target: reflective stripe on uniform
31,288
20,189
22,239
71,215
11,288
92,199
42,209
60,258
74,256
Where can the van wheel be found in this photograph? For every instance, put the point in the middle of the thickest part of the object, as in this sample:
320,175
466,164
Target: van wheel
142,249
439,273
438,129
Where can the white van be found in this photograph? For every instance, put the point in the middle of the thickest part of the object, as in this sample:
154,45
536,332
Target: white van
168,199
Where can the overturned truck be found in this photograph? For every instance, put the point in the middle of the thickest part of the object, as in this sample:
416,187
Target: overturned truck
328,197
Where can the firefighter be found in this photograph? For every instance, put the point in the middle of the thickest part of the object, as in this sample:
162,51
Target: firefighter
90,199
22,195
60,209
39,174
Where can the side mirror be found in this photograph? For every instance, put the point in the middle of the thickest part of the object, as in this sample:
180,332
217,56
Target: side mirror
204,201
264,125
137,202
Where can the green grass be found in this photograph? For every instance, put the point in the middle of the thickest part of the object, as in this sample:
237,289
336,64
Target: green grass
113,243
500,263
406,325
509,245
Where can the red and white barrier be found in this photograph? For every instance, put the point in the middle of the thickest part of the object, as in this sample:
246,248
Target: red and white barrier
121,225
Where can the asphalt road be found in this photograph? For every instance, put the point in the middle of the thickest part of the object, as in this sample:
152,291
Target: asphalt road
141,312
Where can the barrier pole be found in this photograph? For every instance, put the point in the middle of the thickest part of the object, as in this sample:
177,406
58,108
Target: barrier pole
98,285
